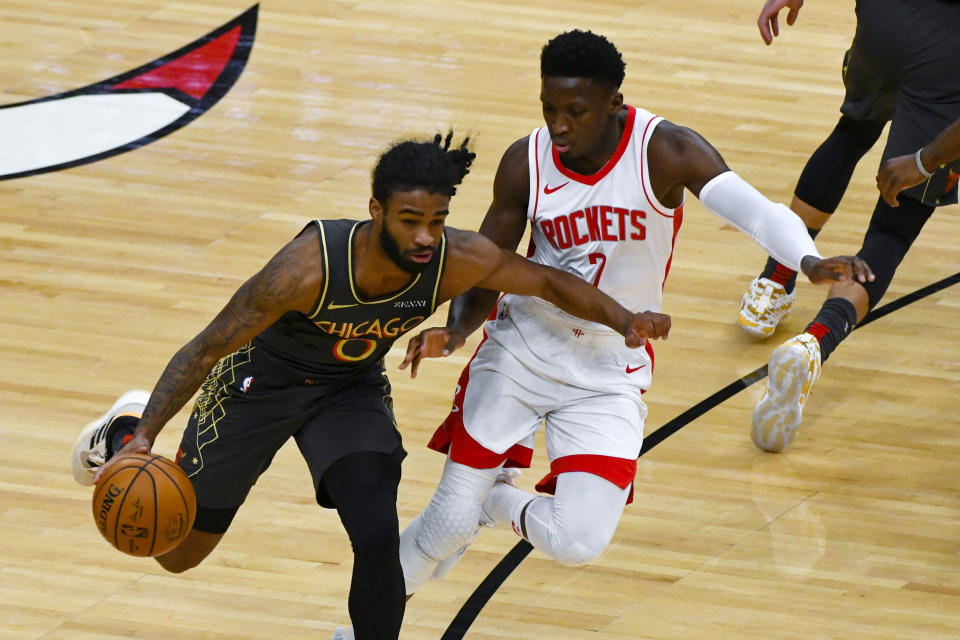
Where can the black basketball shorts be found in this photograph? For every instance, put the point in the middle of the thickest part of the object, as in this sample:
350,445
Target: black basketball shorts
902,67
249,407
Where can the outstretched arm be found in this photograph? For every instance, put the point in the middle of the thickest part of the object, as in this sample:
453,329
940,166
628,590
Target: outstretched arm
280,286
680,158
903,172
476,261
769,20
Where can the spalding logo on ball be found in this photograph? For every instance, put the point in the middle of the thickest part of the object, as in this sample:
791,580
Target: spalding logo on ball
145,505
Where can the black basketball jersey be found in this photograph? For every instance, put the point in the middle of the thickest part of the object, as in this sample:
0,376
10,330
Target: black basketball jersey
345,332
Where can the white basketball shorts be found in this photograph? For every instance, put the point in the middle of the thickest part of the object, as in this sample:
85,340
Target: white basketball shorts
535,367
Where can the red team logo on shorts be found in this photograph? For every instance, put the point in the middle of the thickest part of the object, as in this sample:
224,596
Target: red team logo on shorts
952,180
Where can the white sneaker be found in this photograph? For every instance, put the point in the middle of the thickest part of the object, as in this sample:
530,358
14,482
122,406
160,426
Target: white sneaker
341,633
92,447
794,367
763,306
504,499
507,475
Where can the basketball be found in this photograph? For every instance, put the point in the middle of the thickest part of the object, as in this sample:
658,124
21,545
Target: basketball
145,505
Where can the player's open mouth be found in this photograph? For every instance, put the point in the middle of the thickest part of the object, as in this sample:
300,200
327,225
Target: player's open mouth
422,256
562,146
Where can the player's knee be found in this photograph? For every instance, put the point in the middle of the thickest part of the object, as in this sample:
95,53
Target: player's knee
376,538
179,562
448,523
377,543
580,542
189,553
577,552
860,134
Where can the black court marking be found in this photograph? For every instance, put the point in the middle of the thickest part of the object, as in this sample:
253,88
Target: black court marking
482,594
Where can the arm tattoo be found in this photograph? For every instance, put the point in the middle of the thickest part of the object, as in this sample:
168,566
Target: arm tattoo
266,295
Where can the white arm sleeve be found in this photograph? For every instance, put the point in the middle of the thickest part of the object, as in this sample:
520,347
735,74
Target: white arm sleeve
772,225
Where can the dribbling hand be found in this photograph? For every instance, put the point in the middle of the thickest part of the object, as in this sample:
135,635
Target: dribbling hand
137,444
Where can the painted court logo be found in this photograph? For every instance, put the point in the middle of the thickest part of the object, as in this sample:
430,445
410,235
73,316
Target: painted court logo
127,111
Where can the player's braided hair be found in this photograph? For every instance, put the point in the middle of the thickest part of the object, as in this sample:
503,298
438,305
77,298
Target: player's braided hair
432,166
582,54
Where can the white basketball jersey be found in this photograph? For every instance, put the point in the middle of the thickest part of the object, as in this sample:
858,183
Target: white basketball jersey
607,228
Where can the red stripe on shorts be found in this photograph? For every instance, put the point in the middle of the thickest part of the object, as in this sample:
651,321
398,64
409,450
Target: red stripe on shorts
619,471
452,437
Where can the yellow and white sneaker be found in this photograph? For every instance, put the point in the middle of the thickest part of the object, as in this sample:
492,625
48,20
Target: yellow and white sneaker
763,306
794,367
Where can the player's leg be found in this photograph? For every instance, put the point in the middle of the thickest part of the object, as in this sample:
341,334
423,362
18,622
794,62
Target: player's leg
927,102
574,526
354,452
795,365
221,479
593,441
436,539
191,552
492,413
229,441
871,92
363,487
821,186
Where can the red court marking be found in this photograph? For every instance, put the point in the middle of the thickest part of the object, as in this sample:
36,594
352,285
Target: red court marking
194,72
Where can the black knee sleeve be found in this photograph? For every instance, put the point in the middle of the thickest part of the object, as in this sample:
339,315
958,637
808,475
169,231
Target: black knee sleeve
827,173
889,236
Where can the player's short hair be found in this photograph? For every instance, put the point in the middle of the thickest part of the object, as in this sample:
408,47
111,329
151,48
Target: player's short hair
433,166
582,54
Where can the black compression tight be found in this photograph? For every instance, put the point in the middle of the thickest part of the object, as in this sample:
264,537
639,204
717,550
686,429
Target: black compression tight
827,173
889,236
363,486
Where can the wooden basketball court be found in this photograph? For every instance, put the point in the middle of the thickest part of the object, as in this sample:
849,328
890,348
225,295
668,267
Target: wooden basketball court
107,268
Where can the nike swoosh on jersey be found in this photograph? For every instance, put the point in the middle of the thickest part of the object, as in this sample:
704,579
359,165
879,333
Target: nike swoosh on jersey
334,305
635,369
547,190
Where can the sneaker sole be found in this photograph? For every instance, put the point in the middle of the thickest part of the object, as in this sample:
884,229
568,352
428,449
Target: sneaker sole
777,416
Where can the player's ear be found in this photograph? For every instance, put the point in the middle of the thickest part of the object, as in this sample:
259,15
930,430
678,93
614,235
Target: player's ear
616,102
375,209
